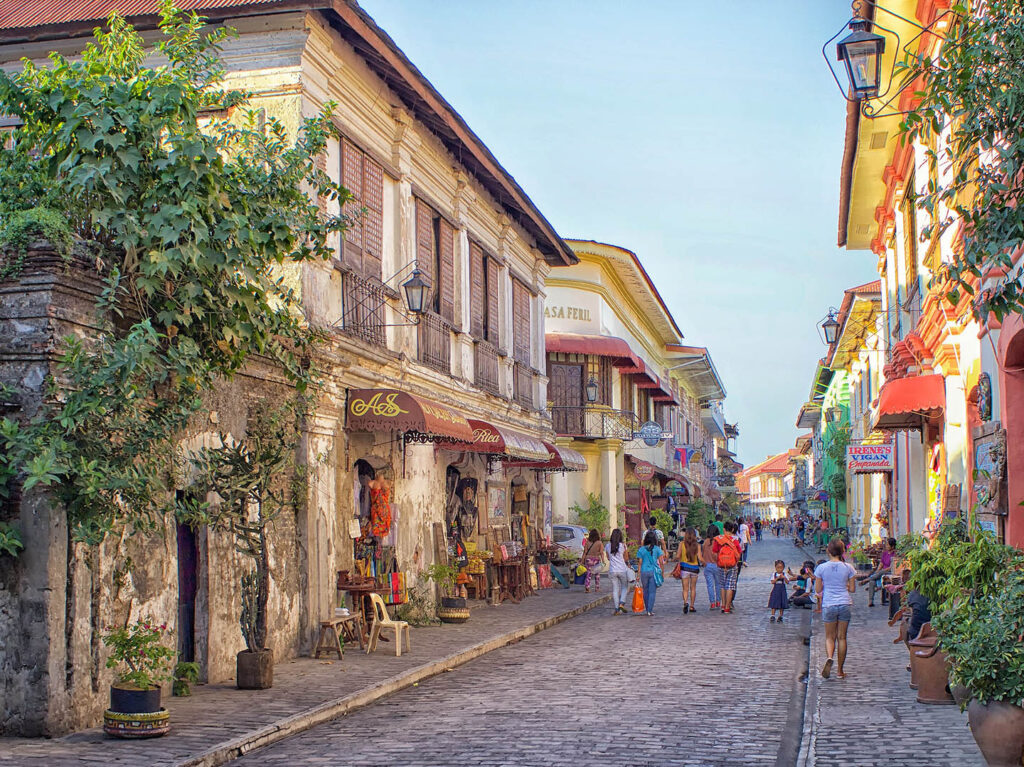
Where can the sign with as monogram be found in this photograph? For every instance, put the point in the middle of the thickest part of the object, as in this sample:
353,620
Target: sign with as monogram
388,410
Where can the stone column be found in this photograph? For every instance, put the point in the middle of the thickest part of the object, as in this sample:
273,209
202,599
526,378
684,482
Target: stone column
610,472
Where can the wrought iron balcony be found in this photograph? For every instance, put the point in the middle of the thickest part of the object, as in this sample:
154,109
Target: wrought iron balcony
523,385
363,314
487,367
597,423
435,345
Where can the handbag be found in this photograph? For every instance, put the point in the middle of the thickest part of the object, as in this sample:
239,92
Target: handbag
677,571
581,569
659,576
638,599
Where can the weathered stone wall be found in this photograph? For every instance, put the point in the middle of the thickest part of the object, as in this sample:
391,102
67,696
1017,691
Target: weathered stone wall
58,597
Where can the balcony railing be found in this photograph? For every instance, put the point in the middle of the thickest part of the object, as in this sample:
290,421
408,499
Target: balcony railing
579,421
363,303
487,367
434,340
523,385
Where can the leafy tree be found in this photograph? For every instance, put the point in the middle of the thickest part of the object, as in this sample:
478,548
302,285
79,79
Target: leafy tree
970,114
195,230
698,515
595,516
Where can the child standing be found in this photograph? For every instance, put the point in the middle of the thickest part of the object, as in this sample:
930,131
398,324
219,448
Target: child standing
779,600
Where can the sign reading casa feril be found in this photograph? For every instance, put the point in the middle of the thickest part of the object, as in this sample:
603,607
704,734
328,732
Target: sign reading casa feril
567,313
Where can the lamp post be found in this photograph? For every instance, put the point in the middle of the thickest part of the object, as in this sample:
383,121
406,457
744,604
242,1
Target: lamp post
861,53
416,288
592,390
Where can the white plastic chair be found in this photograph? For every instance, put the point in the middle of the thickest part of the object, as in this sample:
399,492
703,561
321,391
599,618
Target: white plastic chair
382,621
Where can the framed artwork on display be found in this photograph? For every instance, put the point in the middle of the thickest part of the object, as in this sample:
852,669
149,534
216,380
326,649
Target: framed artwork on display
496,499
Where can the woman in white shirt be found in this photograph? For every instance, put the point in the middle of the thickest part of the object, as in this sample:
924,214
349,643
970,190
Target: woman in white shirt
618,570
835,582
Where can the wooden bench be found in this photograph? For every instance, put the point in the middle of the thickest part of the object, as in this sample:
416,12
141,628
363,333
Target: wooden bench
332,632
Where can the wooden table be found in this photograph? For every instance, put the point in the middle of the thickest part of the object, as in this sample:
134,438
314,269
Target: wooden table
361,604
513,580
333,630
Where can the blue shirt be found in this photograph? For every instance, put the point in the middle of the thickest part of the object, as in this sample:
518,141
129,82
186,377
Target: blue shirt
648,559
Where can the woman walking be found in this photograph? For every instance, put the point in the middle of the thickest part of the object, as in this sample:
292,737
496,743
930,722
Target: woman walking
618,570
712,573
593,553
835,582
690,560
651,559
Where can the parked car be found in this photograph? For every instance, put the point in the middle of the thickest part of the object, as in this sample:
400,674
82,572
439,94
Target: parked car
570,536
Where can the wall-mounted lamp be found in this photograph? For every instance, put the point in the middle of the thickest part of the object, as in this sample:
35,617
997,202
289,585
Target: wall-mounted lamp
416,289
592,390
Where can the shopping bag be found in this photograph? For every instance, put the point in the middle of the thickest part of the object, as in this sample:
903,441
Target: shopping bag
638,599
677,571
581,569
659,577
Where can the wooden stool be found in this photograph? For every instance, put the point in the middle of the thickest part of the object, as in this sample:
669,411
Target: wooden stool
333,630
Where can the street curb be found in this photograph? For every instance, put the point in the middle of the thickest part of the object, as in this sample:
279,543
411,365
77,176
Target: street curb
284,728
806,755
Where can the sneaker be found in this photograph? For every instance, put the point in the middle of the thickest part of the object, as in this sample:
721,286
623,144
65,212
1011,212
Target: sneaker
826,670
686,607
772,619
779,620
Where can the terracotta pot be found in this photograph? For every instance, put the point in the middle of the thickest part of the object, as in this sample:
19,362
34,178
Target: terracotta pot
254,670
998,729
130,700
932,669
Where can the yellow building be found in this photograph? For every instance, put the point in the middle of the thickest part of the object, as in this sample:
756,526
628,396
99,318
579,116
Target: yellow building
642,408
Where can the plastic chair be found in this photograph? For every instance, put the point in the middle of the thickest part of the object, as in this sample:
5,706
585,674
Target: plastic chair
382,621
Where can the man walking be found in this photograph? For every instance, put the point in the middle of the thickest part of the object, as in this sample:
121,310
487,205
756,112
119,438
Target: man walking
744,535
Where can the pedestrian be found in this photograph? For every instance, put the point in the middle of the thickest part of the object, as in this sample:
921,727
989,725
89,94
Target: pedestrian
727,555
778,599
835,581
719,524
690,560
651,557
618,570
593,556
712,573
744,534
757,529
882,569
652,526
802,592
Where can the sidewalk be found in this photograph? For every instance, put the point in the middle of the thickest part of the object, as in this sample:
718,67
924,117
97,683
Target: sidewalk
219,723
872,717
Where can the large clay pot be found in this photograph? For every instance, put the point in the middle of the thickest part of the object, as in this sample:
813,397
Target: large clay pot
453,610
254,670
998,729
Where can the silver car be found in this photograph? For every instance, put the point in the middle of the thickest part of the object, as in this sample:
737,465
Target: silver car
570,536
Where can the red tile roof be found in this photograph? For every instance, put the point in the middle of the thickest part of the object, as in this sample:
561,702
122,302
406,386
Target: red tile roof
34,13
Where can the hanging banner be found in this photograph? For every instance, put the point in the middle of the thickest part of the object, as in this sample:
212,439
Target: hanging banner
868,459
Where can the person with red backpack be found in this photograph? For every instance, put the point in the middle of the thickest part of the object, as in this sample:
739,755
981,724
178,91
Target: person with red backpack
727,553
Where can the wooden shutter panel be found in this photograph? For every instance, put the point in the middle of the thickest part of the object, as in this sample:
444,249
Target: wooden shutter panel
373,220
446,270
493,319
425,246
521,322
476,291
352,180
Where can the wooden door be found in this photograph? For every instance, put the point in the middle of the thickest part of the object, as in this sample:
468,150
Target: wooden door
566,391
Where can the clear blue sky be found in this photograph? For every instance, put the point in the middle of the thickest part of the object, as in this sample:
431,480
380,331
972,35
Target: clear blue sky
704,136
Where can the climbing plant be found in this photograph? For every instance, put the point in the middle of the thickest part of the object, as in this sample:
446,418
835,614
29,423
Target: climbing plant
199,210
970,113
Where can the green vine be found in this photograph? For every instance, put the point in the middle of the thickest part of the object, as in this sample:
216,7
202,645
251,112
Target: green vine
200,231
21,227
974,89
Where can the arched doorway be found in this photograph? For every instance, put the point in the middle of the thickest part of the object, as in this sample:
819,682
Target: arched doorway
1012,398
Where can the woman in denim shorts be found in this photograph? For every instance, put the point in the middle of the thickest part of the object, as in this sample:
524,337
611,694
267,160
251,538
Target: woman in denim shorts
835,582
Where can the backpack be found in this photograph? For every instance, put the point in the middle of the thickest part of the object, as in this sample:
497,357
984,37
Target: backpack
728,557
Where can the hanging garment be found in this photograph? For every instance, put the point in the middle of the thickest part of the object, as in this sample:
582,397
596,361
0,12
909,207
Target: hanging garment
380,509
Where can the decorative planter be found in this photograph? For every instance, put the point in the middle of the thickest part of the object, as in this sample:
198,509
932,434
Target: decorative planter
254,670
453,610
998,729
135,714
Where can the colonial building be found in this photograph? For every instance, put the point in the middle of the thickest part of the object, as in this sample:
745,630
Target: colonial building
766,488
643,409
444,415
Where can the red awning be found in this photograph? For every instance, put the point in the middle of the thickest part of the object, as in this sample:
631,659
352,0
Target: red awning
601,346
499,440
905,403
645,377
559,459
390,410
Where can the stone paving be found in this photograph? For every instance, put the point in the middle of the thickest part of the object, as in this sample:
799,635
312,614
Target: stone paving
216,714
700,689
872,717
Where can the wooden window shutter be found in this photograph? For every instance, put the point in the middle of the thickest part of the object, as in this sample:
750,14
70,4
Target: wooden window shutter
604,381
521,322
476,291
425,246
373,220
493,317
446,270
352,180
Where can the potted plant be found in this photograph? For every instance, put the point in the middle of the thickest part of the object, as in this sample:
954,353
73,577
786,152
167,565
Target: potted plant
186,673
453,609
253,481
143,661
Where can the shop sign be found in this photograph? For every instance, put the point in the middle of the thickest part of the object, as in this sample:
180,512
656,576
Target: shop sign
644,471
650,433
870,458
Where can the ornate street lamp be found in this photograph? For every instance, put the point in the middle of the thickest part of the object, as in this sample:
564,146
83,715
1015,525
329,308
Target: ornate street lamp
831,328
861,53
416,289
592,390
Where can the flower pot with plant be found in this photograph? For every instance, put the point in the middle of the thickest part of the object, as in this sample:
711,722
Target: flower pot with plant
186,673
453,609
143,661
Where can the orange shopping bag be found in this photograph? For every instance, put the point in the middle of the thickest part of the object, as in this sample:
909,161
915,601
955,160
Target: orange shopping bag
638,599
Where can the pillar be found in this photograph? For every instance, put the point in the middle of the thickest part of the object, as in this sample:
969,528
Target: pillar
608,457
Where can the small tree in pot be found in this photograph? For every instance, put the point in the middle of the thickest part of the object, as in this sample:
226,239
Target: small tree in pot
453,609
143,662
254,480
